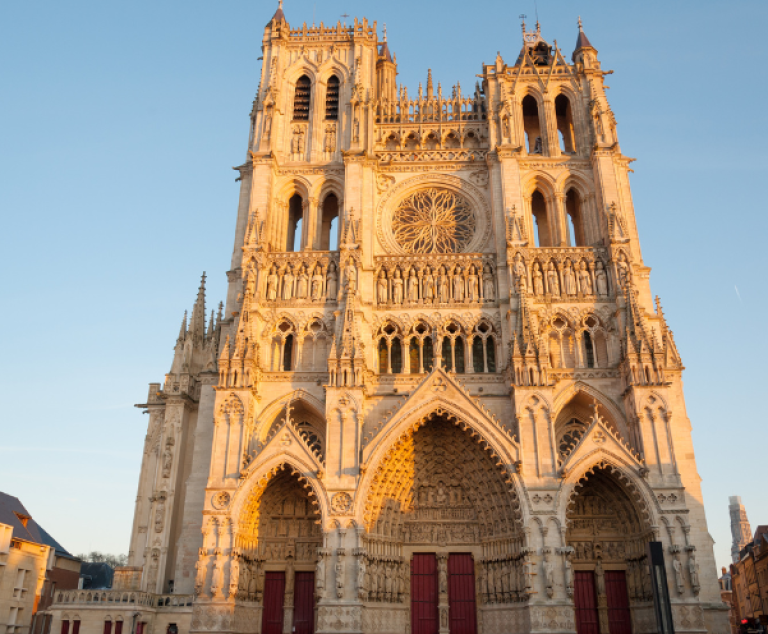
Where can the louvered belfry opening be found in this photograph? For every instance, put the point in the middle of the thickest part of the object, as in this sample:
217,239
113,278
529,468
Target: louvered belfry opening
332,99
301,99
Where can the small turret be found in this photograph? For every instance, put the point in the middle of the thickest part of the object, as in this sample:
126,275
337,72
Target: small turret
584,52
279,16
386,72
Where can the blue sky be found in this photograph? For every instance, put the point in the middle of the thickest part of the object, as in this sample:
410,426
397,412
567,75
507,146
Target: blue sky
121,122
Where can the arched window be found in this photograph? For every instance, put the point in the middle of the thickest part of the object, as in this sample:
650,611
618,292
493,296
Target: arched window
458,354
332,99
541,220
288,354
564,116
447,356
302,98
329,239
477,355
383,356
490,354
413,356
427,354
573,209
532,126
293,230
589,352
397,357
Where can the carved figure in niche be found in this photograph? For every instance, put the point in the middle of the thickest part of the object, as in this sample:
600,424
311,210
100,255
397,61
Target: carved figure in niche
333,284
569,279
413,287
351,274
320,576
216,578
288,278
505,127
381,288
339,568
317,283
473,290
537,145
518,269
488,289
600,578
440,495
388,582
585,281
273,284
458,286
403,582
553,284
302,284
357,129
483,576
491,578
330,139
428,292
374,580
268,123
361,573
252,580
397,288
442,575
538,280
623,269
549,574
167,462
601,280
160,515
678,574
693,572
301,144
234,575
443,290
201,569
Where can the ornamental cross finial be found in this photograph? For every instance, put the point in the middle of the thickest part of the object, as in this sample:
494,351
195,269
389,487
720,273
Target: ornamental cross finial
385,30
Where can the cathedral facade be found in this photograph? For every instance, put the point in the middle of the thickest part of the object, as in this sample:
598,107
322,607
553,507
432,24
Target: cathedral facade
440,397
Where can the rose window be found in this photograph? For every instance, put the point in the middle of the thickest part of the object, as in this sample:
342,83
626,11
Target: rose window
434,221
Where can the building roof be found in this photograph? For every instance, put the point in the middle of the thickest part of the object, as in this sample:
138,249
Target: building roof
97,575
582,41
13,513
279,15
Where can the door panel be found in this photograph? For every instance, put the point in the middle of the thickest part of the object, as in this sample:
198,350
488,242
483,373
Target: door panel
461,594
304,610
619,619
424,618
274,595
585,600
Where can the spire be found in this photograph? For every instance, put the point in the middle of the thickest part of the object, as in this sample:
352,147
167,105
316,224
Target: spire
183,331
582,41
279,15
197,321
430,89
212,325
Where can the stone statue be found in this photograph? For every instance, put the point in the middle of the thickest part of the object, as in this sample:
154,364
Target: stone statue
442,575
302,284
333,285
234,575
361,575
301,144
201,569
167,462
320,576
413,287
397,288
568,574
537,145
538,280
317,284
351,273
585,281
569,279
693,572
288,283
339,568
600,578
553,284
623,269
601,280
295,140
458,286
443,290
549,574
678,567
489,292
518,270
374,580
273,283
473,290
216,578
428,290
388,581
160,516
381,288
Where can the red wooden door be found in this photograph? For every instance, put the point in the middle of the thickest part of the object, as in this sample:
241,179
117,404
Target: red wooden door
274,595
304,608
585,600
424,618
619,621
461,594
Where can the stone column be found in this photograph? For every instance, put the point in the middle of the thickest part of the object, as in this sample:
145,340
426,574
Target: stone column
442,588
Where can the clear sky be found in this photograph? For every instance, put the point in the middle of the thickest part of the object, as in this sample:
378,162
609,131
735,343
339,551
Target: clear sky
120,122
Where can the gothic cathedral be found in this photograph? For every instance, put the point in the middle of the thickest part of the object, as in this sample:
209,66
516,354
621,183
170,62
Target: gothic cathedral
440,398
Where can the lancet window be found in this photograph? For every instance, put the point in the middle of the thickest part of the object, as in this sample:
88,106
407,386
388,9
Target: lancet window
575,217
532,125
314,349
302,98
483,348
420,349
283,347
332,99
453,349
294,225
329,239
390,350
565,130
542,232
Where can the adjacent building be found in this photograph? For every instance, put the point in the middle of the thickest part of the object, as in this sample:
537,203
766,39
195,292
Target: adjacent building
441,397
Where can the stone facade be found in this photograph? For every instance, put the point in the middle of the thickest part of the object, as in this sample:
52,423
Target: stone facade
439,337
